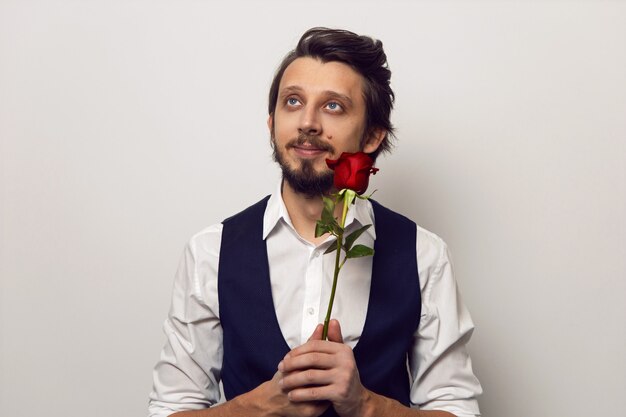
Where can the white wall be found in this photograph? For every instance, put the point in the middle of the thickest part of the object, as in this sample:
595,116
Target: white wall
127,126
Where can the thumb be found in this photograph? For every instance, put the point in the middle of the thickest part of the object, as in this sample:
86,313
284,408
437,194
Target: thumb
334,332
317,333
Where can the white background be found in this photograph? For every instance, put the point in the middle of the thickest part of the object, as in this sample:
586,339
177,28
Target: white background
128,126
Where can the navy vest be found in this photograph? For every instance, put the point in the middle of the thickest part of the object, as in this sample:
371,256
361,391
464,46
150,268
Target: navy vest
253,341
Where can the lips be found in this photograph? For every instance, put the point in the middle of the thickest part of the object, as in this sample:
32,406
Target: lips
306,145
308,150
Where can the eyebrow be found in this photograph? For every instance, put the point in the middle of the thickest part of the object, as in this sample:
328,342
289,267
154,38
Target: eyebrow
330,93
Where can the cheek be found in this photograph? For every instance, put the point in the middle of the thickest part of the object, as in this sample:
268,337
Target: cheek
283,129
345,134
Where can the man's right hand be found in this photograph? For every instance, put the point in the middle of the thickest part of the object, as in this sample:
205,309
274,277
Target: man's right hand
273,401
269,398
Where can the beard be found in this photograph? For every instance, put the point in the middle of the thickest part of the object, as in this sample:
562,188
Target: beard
305,180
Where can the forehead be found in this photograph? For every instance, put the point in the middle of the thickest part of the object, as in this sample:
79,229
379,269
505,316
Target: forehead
316,77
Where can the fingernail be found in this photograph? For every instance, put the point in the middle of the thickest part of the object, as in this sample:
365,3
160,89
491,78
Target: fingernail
280,366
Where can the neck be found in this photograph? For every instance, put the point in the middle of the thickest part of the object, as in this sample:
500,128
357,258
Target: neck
304,211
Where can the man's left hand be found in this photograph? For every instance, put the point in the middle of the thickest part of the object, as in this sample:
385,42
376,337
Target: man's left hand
325,370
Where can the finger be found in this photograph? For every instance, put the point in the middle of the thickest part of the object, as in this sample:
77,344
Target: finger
317,333
334,331
321,346
318,393
311,360
305,378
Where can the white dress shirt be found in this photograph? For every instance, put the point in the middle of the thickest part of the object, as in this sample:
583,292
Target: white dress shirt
188,373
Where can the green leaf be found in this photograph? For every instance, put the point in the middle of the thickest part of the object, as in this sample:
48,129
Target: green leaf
336,229
352,237
331,248
321,228
359,251
329,203
328,212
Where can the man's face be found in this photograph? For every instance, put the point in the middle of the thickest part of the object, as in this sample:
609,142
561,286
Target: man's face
320,113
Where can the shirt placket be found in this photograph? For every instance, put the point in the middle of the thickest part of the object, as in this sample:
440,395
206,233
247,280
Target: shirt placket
312,294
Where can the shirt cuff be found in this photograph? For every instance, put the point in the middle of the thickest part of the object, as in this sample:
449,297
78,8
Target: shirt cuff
460,408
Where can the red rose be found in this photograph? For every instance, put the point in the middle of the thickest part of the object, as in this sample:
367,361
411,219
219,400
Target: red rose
352,170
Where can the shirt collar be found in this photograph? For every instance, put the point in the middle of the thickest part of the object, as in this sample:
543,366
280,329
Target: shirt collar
276,211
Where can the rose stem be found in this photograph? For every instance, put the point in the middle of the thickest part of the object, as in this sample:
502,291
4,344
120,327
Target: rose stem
332,291
346,197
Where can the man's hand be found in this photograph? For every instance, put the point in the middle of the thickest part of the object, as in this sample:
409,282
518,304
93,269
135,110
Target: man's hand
268,399
271,398
274,401
309,379
325,370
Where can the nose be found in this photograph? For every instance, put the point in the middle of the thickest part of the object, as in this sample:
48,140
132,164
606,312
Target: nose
310,123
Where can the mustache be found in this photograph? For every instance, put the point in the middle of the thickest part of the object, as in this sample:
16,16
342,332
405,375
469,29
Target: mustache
314,141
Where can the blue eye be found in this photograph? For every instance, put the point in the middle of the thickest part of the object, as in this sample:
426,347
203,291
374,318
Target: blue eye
333,106
292,101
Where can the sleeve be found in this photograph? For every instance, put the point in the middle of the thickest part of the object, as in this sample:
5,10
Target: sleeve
187,375
439,363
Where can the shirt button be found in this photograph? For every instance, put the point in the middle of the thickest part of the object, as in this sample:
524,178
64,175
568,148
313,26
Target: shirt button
316,254
311,311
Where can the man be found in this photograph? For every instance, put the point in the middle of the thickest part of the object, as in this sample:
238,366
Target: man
250,292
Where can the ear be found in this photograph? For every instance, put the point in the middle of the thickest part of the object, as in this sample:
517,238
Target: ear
374,138
270,123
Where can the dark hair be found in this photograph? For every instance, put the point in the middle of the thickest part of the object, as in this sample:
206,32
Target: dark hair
366,56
